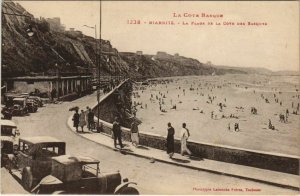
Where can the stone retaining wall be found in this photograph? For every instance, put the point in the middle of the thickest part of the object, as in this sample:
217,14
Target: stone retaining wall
264,160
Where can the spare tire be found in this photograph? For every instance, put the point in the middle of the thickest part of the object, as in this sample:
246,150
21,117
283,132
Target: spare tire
129,191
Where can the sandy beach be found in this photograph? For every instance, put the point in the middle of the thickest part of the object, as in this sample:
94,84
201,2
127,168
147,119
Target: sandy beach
198,100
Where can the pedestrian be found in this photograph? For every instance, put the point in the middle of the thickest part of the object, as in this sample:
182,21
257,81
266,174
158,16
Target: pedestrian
76,120
117,133
134,111
170,140
53,94
82,121
134,133
236,127
185,134
90,118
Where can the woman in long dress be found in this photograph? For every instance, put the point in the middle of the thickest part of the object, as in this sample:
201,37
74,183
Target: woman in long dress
170,140
76,120
134,133
82,121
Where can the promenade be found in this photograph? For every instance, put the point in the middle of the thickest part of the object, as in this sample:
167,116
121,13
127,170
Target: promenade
233,170
153,177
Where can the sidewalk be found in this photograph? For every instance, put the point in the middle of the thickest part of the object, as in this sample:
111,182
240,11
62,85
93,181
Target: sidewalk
244,172
9,185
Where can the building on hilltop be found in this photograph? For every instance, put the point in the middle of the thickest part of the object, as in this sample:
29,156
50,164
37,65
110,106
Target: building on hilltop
55,24
139,52
74,32
163,55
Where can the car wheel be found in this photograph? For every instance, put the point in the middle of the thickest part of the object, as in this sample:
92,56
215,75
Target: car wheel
129,191
27,178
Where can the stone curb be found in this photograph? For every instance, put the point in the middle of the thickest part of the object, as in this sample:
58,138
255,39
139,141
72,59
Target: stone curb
69,124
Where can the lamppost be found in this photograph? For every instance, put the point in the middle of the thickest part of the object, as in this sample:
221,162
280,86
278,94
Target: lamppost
98,62
98,89
96,55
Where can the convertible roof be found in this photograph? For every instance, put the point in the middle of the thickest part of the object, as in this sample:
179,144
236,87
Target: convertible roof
40,140
69,159
8,123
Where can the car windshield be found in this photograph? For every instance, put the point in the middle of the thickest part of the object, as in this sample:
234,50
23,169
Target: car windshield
90,170
8,131
39,151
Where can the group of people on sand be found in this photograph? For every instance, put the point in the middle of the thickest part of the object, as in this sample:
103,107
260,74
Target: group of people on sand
84,118
184,136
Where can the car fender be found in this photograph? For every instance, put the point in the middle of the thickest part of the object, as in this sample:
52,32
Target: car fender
122,186
47,180
50,180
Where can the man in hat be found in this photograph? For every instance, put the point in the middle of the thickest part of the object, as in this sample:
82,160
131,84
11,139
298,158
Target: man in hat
117,133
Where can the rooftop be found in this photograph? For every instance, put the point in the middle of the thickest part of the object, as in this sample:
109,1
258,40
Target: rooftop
68,159
40,140
7,123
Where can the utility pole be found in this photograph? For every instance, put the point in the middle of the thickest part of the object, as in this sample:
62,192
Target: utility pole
98,89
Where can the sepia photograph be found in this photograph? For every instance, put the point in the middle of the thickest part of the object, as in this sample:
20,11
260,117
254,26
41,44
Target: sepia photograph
150,97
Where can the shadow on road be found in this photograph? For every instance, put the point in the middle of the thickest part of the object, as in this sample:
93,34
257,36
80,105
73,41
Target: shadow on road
180,160
125,151
196,158
84,132
142,147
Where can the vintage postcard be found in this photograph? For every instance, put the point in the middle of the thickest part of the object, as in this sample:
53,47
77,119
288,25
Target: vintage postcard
150,97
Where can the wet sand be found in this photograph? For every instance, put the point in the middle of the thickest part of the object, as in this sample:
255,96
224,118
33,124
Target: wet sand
241,93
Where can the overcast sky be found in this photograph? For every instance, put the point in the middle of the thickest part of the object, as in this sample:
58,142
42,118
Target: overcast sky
275,46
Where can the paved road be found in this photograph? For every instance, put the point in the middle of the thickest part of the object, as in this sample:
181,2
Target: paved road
152,178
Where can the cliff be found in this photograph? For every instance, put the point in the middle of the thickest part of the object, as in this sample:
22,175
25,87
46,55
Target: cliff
48,51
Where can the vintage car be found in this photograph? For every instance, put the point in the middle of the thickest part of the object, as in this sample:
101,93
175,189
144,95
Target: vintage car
9,140
8,98
81,175
6,113
33,160
32,105
9,128
37,99
19,107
